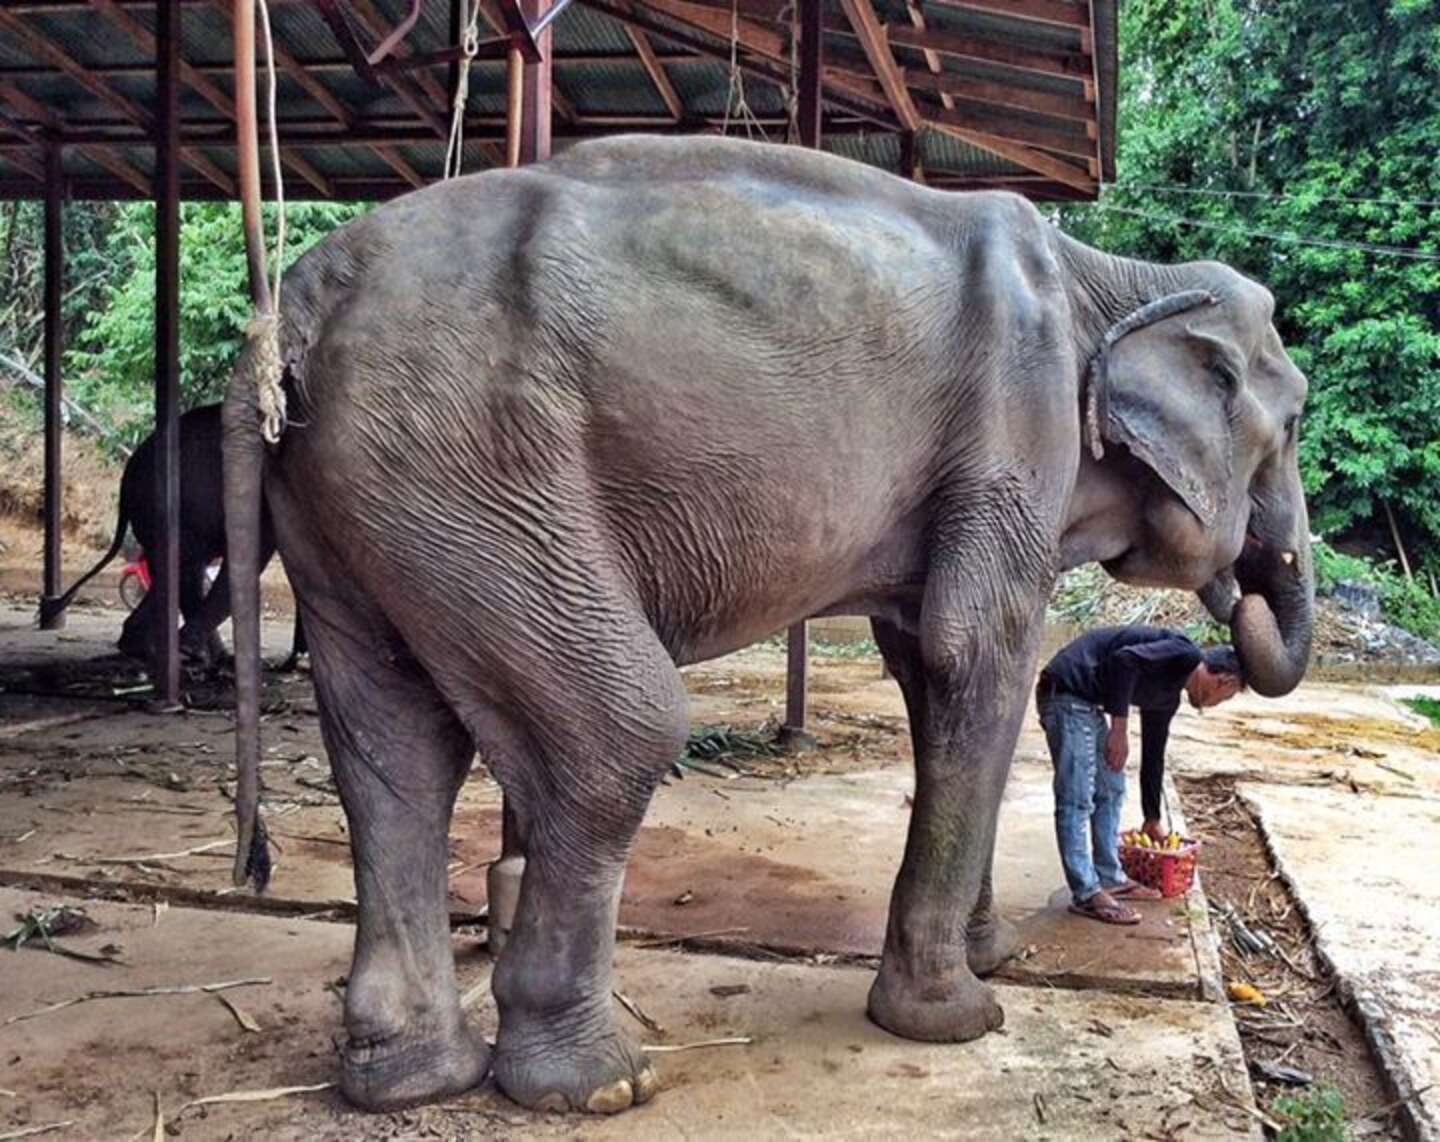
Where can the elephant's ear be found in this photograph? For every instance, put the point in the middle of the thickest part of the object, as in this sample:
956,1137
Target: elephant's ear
1154,388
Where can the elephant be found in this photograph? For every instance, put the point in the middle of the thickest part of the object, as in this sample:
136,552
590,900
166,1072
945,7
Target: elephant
555,432
202,540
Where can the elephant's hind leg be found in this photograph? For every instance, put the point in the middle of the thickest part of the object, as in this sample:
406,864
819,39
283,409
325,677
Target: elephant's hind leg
399,755
602,720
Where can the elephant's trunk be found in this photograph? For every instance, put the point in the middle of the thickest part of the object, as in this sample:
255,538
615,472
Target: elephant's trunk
1269,602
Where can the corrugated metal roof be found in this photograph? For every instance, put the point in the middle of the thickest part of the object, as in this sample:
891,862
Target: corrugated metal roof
599,90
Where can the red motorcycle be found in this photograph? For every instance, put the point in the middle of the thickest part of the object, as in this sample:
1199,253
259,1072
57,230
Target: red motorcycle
135,581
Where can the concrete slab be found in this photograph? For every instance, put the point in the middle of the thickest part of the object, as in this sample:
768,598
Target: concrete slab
1069,1064
1363,871
800,861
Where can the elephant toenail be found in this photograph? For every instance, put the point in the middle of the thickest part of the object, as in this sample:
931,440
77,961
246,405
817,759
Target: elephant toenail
552,1100
646,1085
611,1099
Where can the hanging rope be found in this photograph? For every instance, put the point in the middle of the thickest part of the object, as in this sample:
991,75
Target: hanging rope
792,92
469,47
735,104
264,328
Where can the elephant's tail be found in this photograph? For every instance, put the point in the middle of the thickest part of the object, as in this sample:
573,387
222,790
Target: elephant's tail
244,459
51,608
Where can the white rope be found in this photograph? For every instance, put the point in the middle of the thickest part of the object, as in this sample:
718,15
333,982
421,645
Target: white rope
735,99
264,329
274,151
469,46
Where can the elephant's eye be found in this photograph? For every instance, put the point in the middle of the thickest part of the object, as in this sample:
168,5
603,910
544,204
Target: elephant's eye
1292,425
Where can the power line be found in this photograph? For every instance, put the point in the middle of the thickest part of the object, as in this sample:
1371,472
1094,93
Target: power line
1196,190
1272,235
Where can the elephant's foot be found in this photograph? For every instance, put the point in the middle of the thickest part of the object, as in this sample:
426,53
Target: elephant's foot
989,943
396,1071
949,1010
544,1068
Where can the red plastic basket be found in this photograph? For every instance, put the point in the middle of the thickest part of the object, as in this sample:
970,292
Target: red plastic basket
1171,871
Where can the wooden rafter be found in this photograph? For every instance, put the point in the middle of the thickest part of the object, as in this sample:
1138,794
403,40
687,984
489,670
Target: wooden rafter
656,71
1025,156
871,33
1071,64
201,85
101,156
326,98
374,23
40,46
1028,134
1061,13
932,58
950,86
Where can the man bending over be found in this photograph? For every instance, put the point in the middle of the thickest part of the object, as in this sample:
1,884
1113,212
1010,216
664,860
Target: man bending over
1109,672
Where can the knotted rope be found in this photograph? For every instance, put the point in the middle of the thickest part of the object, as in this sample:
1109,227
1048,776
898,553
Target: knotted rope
265,361
469,47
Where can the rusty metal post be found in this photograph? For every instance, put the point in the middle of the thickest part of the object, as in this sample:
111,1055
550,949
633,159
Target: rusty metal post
812,54
812,65
54,346
165,563
535,104
514,101
909,159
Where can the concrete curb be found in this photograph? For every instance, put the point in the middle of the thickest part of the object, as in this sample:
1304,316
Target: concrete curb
1366,1008
1204,938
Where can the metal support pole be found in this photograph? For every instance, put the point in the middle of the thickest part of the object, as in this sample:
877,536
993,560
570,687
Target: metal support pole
514,102
535,103
909,157
812,64
54,346
165,563
812,32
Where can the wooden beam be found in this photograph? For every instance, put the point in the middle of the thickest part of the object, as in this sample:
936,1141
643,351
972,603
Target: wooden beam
40,46
101,156
200,84
1072,65
932,59
322,95
656,71
1028,157
1028,134
872,37
948,86
537,94
1060,13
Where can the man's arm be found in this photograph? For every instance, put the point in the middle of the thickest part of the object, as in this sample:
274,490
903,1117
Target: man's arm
1154,734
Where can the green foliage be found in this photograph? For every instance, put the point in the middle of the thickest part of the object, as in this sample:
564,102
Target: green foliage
1429,707
1317,119
1318,1115
1405,602
110,366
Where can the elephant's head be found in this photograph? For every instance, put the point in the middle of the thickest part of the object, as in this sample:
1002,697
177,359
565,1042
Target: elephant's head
1192,410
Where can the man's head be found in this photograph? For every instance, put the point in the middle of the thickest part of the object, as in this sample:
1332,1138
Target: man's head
1217,678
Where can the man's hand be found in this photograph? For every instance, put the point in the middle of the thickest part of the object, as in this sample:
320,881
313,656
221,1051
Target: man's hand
1117,745
1151,828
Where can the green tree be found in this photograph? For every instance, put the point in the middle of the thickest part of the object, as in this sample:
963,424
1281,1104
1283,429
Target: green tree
1297,137
111,364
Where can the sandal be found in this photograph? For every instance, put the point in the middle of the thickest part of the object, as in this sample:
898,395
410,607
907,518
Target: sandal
1134,890
1107,910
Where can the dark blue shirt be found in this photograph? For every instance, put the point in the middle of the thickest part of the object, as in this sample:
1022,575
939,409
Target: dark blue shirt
1119,667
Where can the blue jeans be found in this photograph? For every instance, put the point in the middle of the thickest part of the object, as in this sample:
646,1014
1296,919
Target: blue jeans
1088,795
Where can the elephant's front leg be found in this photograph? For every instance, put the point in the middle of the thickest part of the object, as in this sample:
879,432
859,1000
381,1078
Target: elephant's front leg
965,679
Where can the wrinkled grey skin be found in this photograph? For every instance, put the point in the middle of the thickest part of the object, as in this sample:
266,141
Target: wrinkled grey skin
202,539
561,430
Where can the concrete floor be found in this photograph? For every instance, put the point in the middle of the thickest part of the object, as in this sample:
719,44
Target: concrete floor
99,798
1070,1064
